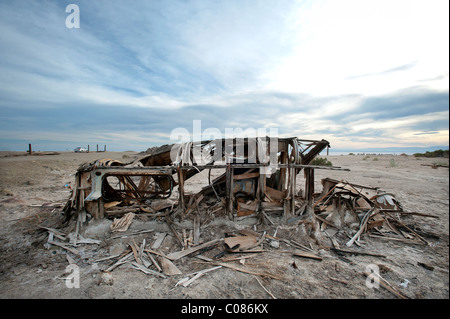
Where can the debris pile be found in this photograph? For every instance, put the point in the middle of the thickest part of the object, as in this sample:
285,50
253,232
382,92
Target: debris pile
366,210
259,177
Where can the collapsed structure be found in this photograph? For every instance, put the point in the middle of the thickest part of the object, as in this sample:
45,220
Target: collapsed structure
260,176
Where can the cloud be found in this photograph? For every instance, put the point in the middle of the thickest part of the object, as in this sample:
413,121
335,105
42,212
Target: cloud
133,72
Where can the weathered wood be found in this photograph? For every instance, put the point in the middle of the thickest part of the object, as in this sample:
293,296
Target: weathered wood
245,176
265,288
262,274
177,236
196,229
355,252
402,212
306,254
183,253
120,261
362,228
133,233
309,185
159,240
186,281
229,191
385,284
169,269
244,242
72,250
274,194
122,224
153,260
181,177
282,182
146,270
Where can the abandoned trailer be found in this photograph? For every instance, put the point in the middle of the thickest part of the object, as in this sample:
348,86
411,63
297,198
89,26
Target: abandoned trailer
259,180
254,181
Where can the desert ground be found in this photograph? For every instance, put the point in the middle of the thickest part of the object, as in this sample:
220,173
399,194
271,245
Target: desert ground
34,189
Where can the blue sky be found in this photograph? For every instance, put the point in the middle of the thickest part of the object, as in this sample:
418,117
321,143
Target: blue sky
360,74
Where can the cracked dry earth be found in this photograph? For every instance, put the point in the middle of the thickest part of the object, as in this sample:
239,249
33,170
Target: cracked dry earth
33,187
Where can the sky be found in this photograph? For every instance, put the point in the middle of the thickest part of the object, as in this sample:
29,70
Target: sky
359,73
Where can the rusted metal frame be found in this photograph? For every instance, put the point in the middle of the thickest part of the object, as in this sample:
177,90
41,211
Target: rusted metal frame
133,185
98,175
132,191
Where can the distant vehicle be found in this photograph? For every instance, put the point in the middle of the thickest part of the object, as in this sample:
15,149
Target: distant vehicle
80,150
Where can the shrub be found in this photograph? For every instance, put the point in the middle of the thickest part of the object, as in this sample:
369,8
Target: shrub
437,153
321,161
393,163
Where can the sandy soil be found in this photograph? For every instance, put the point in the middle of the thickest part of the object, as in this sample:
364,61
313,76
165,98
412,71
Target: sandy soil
31,187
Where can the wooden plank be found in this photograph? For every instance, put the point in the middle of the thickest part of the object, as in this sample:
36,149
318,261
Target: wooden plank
122,224
306,254
120,261
196,229
177,236
274,194
229,191
180,174
183,253
169,269
245,176
186,281
146,270
72,250
244,242
386,285
159,240
249,232
246,209
262,274
354,252
153,260
309,185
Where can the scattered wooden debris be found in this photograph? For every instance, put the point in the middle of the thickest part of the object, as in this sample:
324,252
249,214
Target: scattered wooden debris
121,261
385,284
168,267
122,224
271,295
305,254
183,253
425,265
146,270
355,252
338,280
262,274
186,281
136,233
159,240
239,243
64,246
